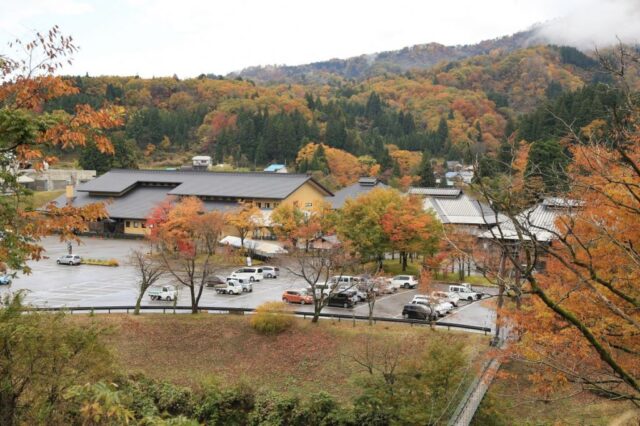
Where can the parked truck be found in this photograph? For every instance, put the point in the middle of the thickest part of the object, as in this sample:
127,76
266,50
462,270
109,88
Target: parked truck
234,286
165,292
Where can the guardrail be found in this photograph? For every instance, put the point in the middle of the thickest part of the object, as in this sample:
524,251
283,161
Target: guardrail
228,309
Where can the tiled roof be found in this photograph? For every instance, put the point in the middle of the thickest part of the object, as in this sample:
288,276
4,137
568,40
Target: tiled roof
460,209
234,185
363,186
438,192
135,204
538,221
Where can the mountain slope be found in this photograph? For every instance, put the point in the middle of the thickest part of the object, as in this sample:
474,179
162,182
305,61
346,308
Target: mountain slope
420,56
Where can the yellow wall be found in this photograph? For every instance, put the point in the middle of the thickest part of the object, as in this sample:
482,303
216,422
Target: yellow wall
132,228
307,193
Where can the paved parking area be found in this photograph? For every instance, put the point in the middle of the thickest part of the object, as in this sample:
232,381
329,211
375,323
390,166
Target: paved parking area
56,285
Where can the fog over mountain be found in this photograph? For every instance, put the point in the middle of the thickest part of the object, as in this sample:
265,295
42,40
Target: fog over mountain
598,23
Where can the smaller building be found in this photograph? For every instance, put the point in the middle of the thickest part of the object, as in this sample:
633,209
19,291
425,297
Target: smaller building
364,185
201,162
454,207
276,168
54,179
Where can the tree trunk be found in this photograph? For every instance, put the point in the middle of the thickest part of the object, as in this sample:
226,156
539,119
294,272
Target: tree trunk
403,257
138,302
501,268
194,301
7,409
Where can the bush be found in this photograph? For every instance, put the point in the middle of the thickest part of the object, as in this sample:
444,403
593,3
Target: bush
100,262
272,318
221,406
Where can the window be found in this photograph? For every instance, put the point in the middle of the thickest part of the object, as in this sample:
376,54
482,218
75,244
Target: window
144,225
308,205
267,205
136,224
259,205
127,224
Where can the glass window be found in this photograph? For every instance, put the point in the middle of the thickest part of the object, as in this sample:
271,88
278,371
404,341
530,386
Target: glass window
127,224
136,224
308,205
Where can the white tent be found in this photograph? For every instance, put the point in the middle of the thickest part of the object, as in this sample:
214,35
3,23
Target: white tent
262,248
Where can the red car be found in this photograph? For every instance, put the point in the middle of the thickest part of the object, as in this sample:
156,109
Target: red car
297,296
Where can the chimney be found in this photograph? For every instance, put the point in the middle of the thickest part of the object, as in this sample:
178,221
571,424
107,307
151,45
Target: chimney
70,192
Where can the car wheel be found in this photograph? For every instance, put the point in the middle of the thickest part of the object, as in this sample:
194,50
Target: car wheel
302,302
251,279
405,316
470,299
58,262
251,290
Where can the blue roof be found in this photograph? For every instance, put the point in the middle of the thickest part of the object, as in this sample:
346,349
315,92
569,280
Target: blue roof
274,167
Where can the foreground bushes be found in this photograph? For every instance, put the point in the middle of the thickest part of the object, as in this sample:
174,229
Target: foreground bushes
272,318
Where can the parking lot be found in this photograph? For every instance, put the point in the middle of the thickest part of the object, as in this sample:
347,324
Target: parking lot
56,285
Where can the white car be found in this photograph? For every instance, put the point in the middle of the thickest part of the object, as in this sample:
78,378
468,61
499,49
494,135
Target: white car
452,298
405,281
465,292
270,271
441,308
166,292
249,273
69,259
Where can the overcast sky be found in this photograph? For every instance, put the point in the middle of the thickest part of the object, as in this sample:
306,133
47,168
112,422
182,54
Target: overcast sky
190,37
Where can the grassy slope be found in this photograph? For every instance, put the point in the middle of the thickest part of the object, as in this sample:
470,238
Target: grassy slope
513,397
192,350
41,198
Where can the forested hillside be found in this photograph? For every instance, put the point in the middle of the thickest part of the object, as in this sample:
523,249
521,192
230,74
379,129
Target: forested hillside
475,108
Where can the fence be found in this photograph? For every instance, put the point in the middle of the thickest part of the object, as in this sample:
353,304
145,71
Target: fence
233,310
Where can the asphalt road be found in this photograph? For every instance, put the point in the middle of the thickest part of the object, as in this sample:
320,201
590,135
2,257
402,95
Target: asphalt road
56,285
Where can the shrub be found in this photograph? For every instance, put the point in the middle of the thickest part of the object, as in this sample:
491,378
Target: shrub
100,262
273,409
220,406
272,318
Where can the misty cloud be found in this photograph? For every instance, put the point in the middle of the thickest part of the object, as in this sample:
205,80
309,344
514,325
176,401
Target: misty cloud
595,23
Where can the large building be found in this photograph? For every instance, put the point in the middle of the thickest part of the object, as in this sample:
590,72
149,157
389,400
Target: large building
130,195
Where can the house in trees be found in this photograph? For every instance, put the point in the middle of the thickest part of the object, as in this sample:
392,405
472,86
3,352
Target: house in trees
538,222
131,195
453,207
364,185
276,168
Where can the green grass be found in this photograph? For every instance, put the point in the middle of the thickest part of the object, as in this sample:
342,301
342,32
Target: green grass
41,198
478,280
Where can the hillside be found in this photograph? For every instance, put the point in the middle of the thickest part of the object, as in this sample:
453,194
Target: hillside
455,110
420,56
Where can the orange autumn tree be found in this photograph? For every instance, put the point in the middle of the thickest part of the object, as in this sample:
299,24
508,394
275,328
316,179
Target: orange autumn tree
581,325
187,236
410,229
246,218
27,133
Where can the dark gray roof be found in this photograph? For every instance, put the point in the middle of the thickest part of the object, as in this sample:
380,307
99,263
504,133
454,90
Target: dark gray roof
354,191
235,185
135,204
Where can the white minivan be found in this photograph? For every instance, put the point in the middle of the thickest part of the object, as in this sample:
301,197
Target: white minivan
249,273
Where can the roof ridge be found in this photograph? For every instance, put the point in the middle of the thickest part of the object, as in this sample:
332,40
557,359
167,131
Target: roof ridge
260,173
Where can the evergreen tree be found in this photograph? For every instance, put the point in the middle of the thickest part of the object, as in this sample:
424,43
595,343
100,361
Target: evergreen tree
441,136
374,106
319,161
427,177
